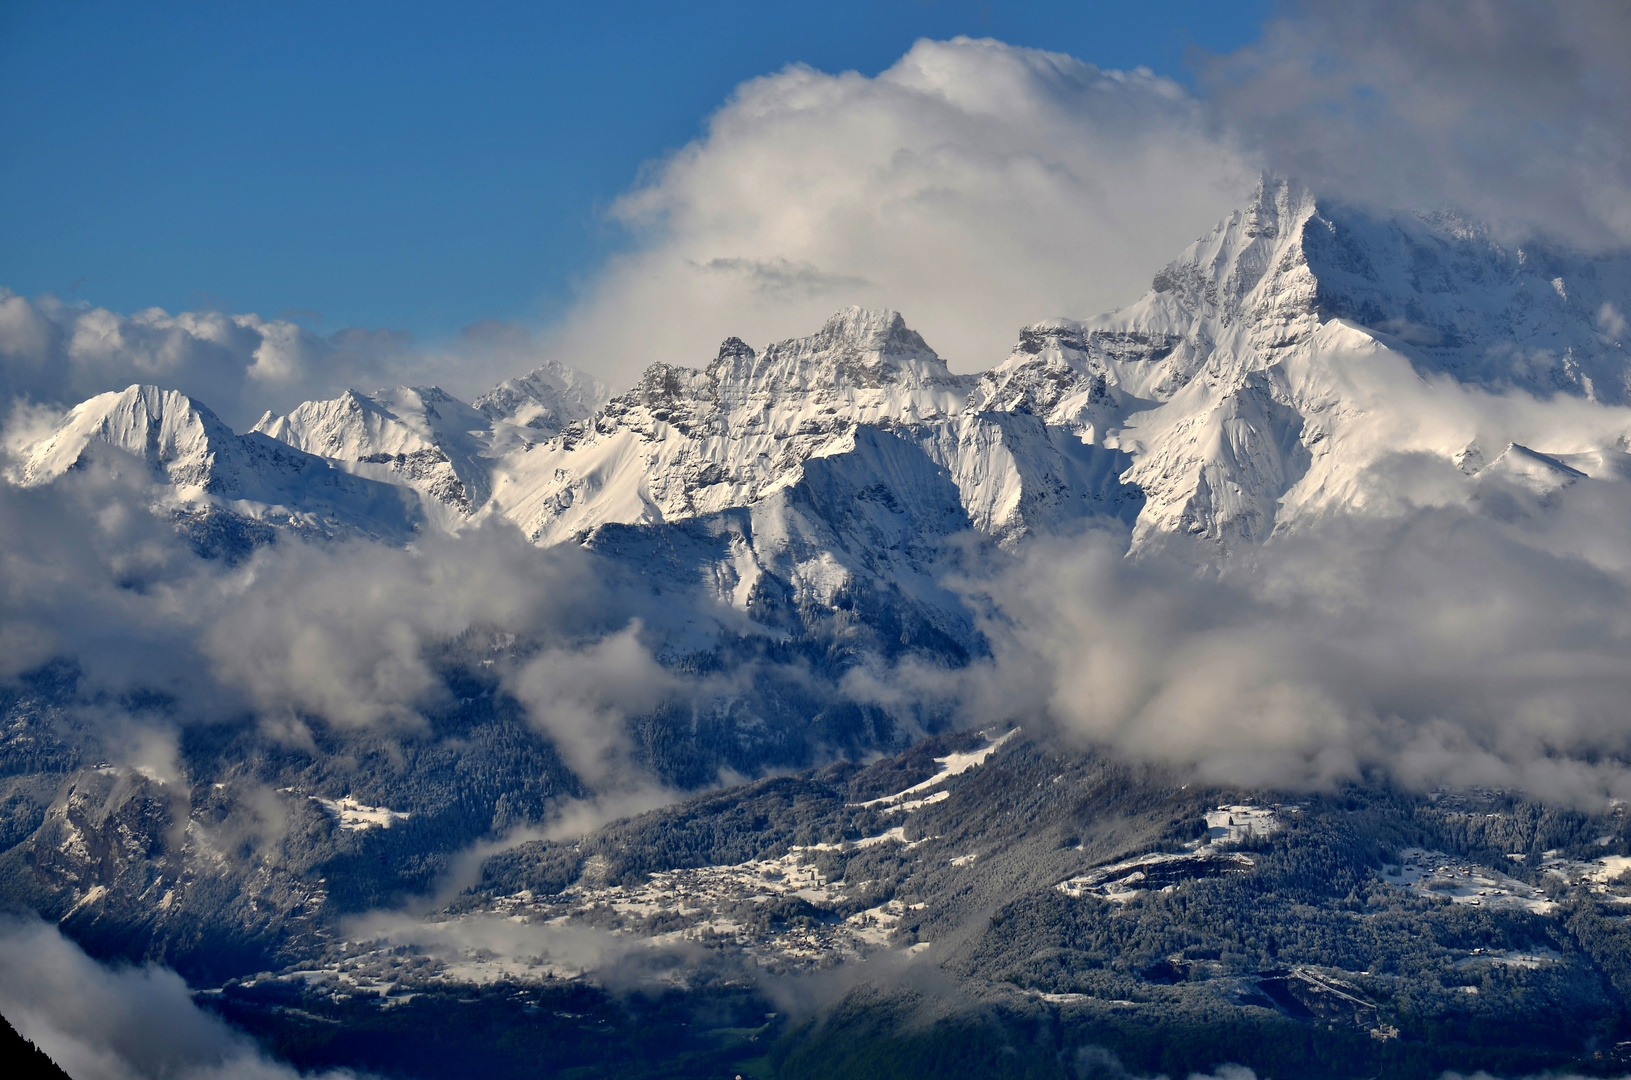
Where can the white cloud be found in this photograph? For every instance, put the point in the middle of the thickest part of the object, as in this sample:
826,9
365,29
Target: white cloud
237,365
976,186
1439,645
579,698
347,634
117,1023
1514,112
51,351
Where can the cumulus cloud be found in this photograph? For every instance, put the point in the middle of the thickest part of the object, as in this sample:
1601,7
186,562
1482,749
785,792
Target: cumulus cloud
579,698
565,951
979,187
240,365
130,1023
1431,648
1514,112
974,185
1443,645
80,561
342,632
353,634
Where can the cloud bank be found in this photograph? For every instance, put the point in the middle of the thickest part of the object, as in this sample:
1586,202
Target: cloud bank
131,1023
354,635
977,186
1512,112
240,365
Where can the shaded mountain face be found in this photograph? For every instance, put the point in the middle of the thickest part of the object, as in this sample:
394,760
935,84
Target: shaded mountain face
778,562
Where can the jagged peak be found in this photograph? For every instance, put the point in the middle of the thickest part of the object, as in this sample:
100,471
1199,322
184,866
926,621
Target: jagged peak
1062,334
556,375
562,392
1275,200
881,332
662,383
144,403
150,397
734,348
156,424
862,347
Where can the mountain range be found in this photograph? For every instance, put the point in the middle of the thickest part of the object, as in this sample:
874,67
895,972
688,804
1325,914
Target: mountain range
793,519
1229,403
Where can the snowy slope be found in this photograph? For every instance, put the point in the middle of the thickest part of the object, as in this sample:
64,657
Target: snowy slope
540,403
201,465
1274,367
416,436
852,551
687,442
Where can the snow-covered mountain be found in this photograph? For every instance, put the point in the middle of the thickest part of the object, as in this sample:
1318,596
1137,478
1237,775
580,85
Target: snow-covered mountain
1263,381
544,400
419,437
201,467
685,442
1280,359
427,440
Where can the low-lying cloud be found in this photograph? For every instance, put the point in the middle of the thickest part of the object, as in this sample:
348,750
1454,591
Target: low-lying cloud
355,635
1436,648
118,1023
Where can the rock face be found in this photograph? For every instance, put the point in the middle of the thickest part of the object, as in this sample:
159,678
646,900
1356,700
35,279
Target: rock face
1251,389
854,453
1256,384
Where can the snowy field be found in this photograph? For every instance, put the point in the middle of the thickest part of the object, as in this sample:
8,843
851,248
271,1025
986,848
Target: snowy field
1122,881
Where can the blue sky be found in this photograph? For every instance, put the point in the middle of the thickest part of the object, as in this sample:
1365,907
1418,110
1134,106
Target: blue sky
412,165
